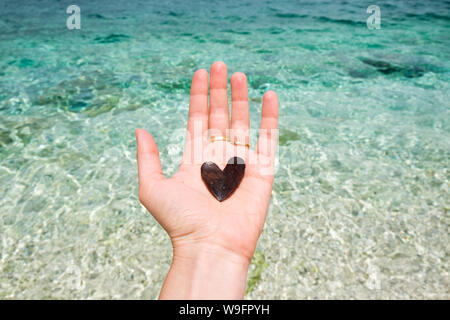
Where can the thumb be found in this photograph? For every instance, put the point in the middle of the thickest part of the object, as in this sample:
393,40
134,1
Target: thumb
149,165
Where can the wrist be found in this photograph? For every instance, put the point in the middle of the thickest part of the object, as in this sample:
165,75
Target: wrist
206,271
207,253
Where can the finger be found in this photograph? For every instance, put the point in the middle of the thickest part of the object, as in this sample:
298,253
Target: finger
198,115
198,105
240,121
268,133
218,100
149,165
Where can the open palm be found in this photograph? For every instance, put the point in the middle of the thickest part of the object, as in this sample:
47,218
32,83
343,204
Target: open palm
183,205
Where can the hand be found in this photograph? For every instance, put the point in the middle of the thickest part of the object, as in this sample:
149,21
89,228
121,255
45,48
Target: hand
203,230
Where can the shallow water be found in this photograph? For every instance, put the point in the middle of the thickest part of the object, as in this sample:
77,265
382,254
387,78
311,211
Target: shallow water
360,207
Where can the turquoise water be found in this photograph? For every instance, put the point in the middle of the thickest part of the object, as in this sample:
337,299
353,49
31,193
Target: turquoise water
360,207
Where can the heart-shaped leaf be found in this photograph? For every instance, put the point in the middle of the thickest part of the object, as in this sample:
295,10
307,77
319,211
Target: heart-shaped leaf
223,183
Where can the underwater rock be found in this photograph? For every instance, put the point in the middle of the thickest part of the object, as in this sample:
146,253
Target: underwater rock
183,85
31,127
5,137
290,15
362,74
341,21
407,69
93,94
101,105
381,66
262,81
23,63
259,264
242,32
223,183
112,38
286,136
96,15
